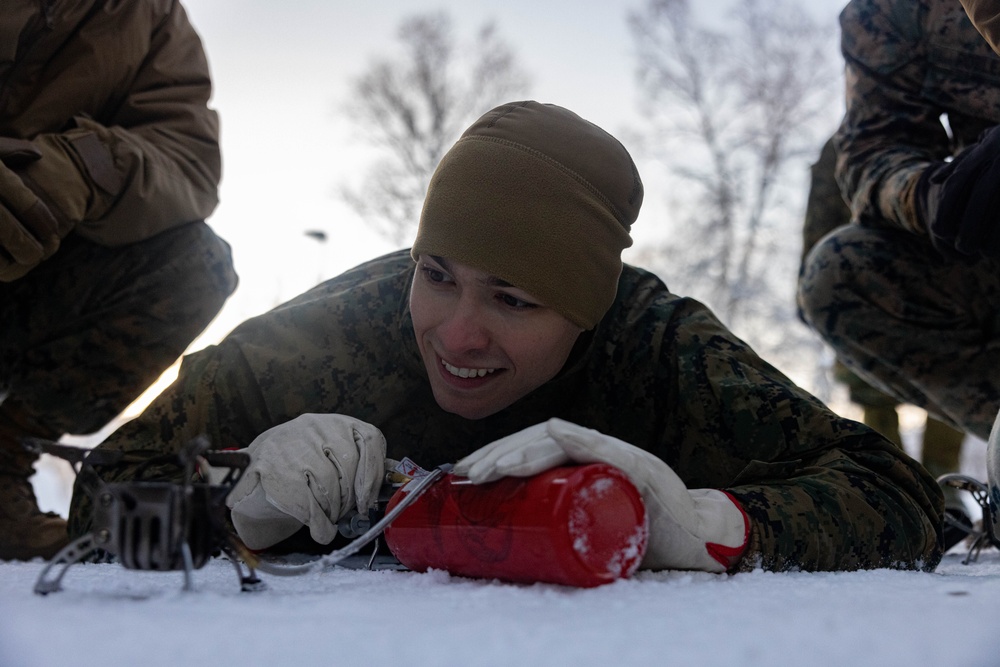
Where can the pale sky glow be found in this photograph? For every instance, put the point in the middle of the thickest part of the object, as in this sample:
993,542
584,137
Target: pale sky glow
281,73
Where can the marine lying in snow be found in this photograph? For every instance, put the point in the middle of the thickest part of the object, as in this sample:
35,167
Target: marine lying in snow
511,339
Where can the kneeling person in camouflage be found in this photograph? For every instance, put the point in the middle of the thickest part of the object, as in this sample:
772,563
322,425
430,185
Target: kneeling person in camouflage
909,293
109,163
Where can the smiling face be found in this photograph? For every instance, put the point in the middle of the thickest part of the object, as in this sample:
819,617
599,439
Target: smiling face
484,342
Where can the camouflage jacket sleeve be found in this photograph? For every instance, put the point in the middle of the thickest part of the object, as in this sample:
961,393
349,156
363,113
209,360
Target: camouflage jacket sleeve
890,134
908,64
322,352
822,492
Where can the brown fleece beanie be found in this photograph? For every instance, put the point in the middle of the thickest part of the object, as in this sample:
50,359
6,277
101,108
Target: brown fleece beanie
537,196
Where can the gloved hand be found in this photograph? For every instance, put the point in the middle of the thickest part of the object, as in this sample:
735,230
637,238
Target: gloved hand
42,196
309,471
960,200
27,227
699,529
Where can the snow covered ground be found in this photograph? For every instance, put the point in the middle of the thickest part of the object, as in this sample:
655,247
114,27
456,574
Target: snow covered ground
109,616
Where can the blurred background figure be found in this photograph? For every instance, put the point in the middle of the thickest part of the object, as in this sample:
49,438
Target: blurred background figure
941,445
908,294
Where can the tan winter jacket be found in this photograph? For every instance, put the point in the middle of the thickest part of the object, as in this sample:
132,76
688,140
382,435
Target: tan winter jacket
126,83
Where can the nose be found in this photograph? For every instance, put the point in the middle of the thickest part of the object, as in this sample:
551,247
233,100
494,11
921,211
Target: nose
464,329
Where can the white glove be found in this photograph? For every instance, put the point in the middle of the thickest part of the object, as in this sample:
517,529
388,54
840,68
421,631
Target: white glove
309,471
697,529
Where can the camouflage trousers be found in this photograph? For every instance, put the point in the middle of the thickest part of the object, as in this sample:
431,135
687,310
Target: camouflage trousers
922,327
84,333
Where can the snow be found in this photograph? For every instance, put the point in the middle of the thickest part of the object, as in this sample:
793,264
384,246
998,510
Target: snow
107,616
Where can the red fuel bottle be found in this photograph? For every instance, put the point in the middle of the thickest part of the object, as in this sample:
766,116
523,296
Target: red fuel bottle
573,525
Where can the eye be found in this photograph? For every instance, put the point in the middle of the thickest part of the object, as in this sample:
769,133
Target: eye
512,301
433,274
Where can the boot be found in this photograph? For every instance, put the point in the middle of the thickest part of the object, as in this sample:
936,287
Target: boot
879,408
942,448
885,420
942,454
25,531
957,524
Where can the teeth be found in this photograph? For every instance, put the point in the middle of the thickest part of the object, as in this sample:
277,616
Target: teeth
466,372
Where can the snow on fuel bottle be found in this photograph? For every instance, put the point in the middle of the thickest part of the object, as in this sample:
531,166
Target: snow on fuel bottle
573,525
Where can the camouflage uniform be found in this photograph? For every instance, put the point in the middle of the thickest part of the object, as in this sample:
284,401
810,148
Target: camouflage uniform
112,320
826,211
658,371
138,274
902,315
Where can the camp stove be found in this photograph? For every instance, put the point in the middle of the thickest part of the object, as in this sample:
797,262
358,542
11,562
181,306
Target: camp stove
151,525
178,526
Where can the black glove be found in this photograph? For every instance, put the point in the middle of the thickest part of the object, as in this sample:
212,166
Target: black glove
960,200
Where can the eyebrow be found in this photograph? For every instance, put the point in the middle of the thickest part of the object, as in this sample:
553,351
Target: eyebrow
491,281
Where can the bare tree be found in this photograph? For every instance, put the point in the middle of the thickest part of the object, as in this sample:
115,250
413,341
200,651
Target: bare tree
735,116
414,107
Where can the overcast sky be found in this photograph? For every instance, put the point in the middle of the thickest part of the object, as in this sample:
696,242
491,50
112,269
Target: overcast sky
281,73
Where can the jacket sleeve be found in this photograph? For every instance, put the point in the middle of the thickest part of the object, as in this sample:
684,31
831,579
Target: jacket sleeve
889,134
331,349
822,492
214,384
861,504
163,139
985,15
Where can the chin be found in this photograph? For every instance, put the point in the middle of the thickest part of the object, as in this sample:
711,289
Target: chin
470,413
467,409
